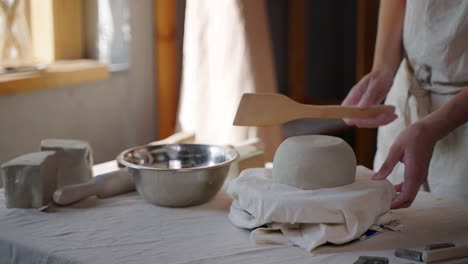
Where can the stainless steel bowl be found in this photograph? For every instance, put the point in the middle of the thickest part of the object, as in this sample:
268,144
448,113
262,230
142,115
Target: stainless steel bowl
178,175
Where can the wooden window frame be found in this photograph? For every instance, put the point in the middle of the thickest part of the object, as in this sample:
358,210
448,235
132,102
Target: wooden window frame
57,34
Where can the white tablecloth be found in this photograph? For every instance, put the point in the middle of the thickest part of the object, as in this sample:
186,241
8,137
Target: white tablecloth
126,229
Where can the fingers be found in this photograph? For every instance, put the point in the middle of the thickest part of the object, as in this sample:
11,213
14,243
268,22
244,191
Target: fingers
377,121
404,199
394,156
398,187
374,94
370,97
410,187
356,93
370,90
400,202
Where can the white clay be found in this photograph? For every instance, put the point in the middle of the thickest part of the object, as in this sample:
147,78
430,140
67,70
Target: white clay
314,162
30,180
75,160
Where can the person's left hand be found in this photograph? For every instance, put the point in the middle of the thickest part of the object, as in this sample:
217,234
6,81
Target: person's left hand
413,147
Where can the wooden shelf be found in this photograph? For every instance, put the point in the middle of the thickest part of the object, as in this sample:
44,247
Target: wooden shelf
60,73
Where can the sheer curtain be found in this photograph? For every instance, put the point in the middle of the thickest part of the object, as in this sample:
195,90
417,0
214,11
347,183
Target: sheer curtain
227,52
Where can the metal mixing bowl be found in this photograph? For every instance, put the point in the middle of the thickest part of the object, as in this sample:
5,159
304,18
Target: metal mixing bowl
178,175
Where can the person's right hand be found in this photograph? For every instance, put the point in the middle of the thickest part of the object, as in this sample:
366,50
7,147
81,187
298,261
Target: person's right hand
413,147
370,90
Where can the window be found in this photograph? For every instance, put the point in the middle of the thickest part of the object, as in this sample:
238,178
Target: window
52,37
15,40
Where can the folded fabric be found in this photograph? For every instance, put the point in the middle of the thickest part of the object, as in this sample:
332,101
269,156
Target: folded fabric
308,218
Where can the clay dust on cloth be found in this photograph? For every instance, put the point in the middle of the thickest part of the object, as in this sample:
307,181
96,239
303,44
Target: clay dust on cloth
281,214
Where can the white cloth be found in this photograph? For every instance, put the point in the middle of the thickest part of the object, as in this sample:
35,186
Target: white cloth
126,229
309,218
436,68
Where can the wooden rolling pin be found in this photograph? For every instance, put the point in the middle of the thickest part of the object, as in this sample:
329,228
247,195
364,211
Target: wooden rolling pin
111,183
103,186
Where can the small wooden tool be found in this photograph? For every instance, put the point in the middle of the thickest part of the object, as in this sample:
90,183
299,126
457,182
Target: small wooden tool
266,109
435,253
103,186
371,260
442,254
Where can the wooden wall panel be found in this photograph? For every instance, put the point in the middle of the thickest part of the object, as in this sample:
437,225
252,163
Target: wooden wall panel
57,29
68,29
297,49
167,91
366,34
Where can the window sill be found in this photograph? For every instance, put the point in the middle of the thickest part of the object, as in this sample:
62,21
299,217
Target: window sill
60,73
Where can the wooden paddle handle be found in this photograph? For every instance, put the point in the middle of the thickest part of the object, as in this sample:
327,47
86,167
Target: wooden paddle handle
338,111
445,254
103,186
75,192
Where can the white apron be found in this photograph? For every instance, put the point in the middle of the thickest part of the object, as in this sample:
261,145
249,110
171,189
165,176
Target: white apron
435,69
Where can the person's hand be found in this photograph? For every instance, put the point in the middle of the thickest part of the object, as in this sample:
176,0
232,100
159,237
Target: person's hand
370,90
413,147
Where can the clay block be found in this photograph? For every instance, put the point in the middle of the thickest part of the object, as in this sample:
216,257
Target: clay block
74,159
30,180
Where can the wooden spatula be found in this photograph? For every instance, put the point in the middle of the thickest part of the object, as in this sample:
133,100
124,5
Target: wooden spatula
266,109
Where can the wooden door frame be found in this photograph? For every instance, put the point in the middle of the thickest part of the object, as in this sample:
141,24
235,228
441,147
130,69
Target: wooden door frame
166,66
367,16
366,29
